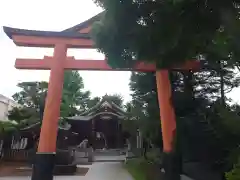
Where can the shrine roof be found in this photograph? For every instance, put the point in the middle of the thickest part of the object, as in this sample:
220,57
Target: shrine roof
62,34
90,117
31,126
104,103
38,125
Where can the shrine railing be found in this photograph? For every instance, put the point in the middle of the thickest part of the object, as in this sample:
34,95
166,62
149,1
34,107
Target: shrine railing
83,155
63,156
17,155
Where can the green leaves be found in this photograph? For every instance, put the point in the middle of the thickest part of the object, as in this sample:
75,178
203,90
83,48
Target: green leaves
7,127
32,98
144,107
22,113
166,32
234,174
74,99
33,94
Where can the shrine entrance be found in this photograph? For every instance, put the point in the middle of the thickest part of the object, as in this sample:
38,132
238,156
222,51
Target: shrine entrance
101,125
100,141
107,128
108,135
79,37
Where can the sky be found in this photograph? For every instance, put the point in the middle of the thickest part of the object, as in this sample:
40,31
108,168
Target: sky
43,15
55,15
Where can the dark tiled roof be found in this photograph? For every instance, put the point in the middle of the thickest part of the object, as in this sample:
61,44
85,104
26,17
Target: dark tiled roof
38,125
88,118
84,24
14,31
98,105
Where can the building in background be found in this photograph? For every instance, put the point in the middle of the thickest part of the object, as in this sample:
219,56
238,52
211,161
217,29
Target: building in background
6,105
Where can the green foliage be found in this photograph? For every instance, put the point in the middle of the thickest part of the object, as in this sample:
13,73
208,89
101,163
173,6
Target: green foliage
154,155
6,127
33,94
230,121
22,113
233,157
144,106
141,169
32,98
234,174
216,81
137,168
74,99
167,32
228,129
207,131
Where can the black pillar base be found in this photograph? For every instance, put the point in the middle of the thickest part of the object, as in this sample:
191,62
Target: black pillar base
171,166
43,166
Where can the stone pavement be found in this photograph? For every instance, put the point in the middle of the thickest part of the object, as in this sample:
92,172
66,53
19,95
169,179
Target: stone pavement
108,171
97,171
119,158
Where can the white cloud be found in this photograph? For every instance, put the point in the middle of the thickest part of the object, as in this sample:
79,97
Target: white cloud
54,15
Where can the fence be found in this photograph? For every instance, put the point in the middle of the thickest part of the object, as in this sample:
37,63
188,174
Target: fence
17,155
1,147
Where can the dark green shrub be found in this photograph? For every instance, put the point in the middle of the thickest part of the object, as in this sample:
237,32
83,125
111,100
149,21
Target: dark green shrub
234,174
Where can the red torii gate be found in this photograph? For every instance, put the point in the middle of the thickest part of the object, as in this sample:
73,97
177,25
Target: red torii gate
78,37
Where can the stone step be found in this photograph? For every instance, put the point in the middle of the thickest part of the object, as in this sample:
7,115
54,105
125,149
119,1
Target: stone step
82,161
106,153
109,158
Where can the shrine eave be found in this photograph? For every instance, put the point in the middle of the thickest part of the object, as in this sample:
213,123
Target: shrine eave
98,105
80,118
90,117
38,125
24,32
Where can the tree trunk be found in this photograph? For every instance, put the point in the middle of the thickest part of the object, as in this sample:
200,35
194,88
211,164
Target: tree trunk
41,111
145,148
188,84
222,93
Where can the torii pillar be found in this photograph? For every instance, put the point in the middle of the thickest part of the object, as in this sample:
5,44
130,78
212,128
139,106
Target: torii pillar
45,158
44,161
168,124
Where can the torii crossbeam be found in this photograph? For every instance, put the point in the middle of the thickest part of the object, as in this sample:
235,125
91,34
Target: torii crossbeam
78,37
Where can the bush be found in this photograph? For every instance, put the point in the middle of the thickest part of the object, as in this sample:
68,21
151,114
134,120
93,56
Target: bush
234,174
141,169
137,168
154,155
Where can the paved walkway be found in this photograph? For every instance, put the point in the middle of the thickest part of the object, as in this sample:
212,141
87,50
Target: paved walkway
97,171
108,171
109,158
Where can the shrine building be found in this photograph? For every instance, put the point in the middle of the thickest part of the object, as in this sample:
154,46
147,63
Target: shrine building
101,125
